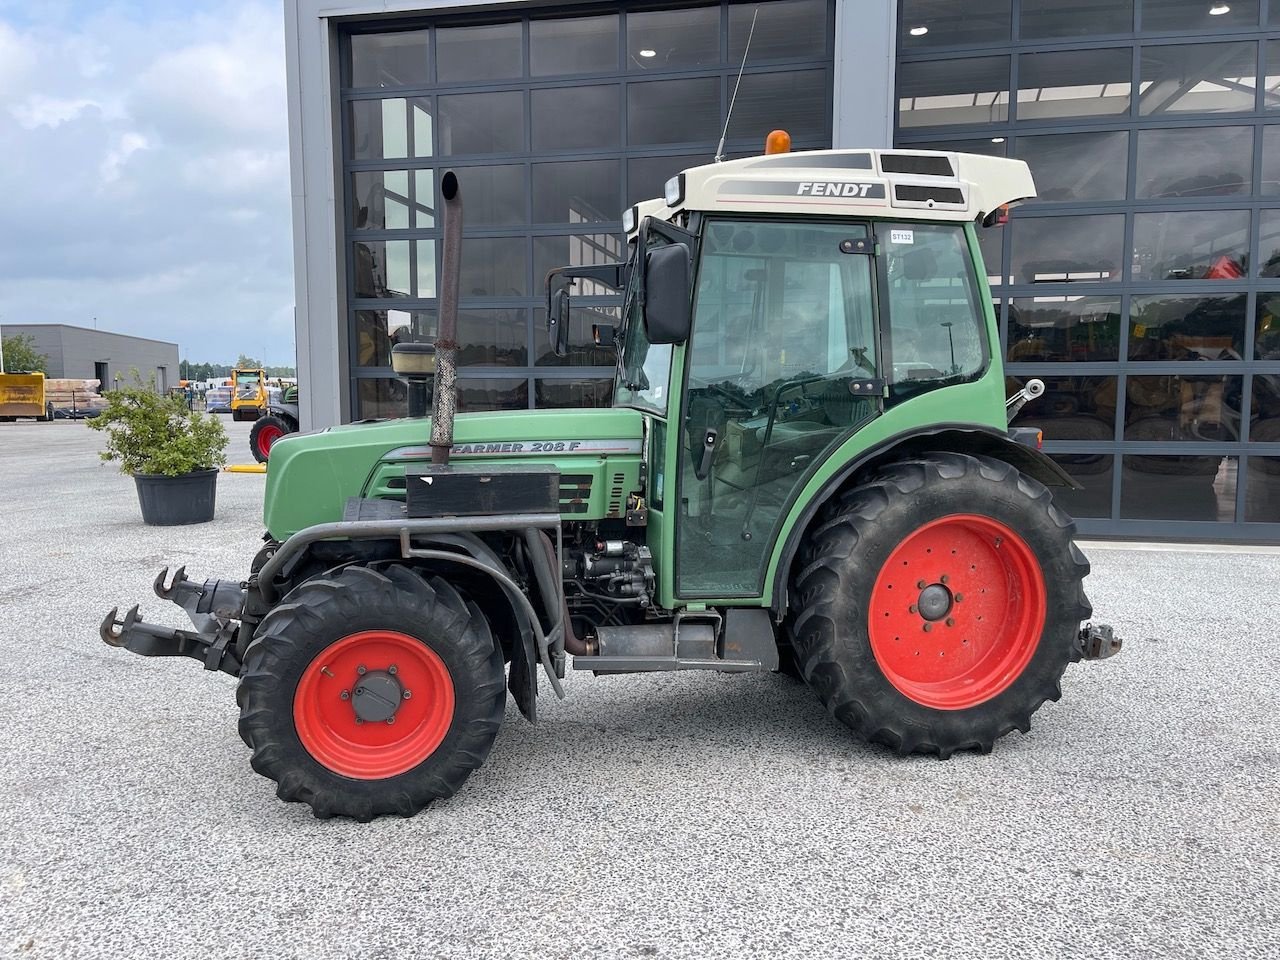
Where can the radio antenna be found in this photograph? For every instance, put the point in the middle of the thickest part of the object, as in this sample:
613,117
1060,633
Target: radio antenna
737,83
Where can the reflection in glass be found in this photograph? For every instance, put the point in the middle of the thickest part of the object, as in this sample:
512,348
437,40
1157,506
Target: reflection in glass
1044,19
494,267
481,123
651,119
594,392
381,398
991,243
377,331
783,29
1198,78
1079,83
580,45
576,118
1201,245
1077,166
1262,490
380,129
380,200
1067,249
672,39
1271,77
583,351
1093,472
1043,329
646,175
389,59
552,252
1270,185
1183,407
1187,328
1072,408
1189,163
971,90
1179,488
493,394
953,24
984,146
489,52
382,268
1266,342
1264,417
576,191
756,111
493,338
1194,15
494,196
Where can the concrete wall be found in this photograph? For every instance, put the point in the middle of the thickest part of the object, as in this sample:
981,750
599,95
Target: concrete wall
74,352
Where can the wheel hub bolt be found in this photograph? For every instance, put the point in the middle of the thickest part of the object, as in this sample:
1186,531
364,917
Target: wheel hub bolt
390,720
958,597
944,578
913,609
951,621
392,670
928,627
345,694
408,694
920,584
362,670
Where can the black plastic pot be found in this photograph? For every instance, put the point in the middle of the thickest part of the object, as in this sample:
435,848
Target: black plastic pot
169,501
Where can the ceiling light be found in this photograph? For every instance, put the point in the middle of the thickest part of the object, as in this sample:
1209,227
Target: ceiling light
919,31
648,53
1218,9
997,139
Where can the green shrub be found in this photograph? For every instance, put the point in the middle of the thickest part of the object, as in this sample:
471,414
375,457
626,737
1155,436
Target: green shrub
151,434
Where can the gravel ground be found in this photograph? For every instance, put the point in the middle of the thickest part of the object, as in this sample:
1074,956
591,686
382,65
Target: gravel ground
671,816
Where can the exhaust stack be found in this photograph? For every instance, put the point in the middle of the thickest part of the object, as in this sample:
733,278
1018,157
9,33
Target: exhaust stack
445,403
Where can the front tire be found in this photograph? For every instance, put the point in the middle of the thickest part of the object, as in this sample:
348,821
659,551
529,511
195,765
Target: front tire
936,607
263,435
371,692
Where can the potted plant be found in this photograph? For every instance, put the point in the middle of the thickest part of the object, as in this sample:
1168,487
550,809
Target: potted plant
172,453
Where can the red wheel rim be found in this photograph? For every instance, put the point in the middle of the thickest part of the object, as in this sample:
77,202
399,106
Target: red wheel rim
327,722
957,611
267,436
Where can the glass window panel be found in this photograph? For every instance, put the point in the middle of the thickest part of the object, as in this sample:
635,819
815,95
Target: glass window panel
1093,472
991,242
1270,185
1072,408
482,123
945,23
1271,77
379,129
576,118
756,113
1265,412
377,331
1266,332
493,196
580,45
1187,328
381,200
390,59
582,349
1183,408
1201,245
1076,83
577,191
1198,78
1074,249
594,392
1045,19
382,268
1063,328
494,267
674,111
493,394
381,398
426,264
1196,15
1178,488
493,338
783,29
1262,488
489,52
552,252
1194,162
673,39
971,90
1077,166
646,176
424,198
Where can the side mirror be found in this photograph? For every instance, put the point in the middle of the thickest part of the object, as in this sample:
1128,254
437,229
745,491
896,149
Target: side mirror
558,321
667,289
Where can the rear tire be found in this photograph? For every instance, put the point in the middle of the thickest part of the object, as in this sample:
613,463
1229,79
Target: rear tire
301,675
263,435
947,556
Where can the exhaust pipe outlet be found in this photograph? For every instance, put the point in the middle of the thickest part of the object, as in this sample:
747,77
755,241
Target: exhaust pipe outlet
445,403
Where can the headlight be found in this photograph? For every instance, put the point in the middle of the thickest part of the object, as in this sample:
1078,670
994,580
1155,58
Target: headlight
673,193
629,220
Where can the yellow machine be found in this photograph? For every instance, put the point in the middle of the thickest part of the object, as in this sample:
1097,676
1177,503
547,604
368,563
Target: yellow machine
248,394
22,395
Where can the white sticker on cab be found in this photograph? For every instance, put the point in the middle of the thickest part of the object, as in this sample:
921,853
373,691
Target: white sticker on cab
902,236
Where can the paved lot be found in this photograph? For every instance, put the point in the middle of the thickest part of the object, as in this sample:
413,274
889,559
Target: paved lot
669,816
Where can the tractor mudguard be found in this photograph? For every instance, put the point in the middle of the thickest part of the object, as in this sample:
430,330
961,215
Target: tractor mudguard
952,438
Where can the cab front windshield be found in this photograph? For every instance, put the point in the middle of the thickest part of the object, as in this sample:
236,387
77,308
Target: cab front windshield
644,368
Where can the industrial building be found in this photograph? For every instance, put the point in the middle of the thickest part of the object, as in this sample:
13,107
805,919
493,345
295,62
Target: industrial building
80,353
1142,284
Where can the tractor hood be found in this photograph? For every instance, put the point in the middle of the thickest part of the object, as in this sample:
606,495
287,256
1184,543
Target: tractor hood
310,476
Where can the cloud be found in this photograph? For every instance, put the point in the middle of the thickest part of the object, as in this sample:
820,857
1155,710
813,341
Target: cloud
146,172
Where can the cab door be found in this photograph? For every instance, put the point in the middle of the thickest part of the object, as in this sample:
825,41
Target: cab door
782,367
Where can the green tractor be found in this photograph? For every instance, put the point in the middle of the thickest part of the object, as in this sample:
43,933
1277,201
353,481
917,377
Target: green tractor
807,468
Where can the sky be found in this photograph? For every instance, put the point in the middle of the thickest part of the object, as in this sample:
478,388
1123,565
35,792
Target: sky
144,164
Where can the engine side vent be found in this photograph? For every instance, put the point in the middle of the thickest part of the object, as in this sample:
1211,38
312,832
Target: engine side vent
615,495
920,166
396,483
575,492
922,194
